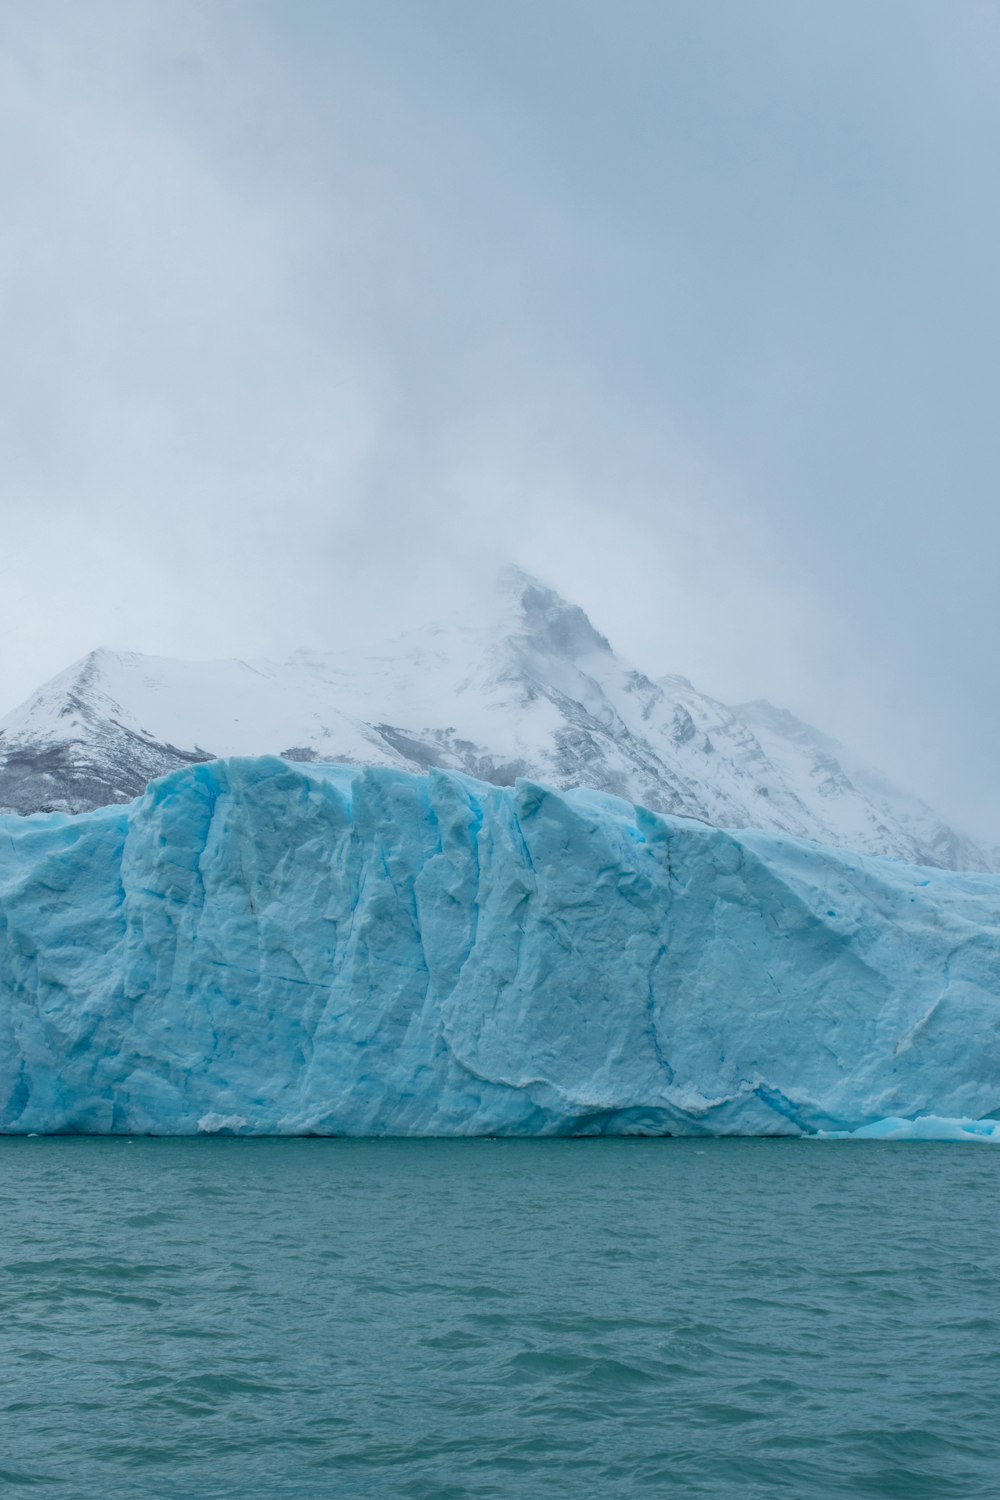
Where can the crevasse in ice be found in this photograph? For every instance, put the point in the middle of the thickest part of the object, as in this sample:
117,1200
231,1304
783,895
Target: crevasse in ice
261,948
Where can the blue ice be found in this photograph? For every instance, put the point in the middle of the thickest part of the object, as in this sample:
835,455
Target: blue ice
263,948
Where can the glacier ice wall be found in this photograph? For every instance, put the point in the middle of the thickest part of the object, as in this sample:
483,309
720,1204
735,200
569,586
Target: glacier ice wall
263,948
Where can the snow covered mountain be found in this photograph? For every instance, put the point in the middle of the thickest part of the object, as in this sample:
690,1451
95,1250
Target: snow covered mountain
522,686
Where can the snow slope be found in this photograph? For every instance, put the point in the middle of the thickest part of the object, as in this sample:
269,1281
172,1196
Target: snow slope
258,947
522,686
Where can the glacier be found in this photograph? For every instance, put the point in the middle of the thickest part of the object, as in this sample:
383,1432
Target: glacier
258,947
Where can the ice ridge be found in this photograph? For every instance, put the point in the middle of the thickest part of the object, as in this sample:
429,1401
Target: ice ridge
263,948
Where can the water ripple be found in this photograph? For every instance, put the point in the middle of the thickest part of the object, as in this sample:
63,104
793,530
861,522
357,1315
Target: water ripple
229,1319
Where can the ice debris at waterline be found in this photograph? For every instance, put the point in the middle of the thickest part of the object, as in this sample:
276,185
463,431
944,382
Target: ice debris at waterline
261,948
923,1128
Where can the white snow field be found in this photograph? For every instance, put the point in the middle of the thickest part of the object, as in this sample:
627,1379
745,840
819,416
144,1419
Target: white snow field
523,685
264,948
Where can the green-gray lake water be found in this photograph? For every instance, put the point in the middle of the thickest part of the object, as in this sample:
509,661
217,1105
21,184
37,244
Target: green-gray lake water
600,1318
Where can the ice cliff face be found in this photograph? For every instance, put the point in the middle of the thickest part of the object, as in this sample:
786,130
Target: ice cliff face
522,686
258,947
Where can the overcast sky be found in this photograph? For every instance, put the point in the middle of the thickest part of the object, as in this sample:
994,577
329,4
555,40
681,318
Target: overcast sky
314,312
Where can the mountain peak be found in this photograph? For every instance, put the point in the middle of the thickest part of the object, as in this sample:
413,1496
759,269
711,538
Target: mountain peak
522,684
550,623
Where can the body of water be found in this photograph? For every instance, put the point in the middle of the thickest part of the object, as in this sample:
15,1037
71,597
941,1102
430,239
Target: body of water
600,1318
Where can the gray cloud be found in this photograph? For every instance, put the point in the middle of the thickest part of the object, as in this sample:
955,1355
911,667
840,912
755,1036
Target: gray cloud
313,314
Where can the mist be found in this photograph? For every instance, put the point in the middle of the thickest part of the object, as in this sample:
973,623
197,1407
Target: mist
313,316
